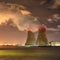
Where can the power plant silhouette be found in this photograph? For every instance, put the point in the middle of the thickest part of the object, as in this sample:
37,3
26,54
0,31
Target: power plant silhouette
30,38
41,38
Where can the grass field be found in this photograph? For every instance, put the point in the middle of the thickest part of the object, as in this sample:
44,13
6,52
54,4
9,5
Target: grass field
32,53
25,53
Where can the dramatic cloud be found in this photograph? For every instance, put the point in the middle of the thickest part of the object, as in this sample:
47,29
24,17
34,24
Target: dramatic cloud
58,26
56,4
52,29
43,2
50,20
25,12
22,18
54,17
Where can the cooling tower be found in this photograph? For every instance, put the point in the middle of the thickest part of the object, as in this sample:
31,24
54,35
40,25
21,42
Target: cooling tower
42,38
30,39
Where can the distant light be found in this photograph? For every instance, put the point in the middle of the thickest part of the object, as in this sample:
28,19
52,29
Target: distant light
5,44
14,44
8,44
55,43
1,44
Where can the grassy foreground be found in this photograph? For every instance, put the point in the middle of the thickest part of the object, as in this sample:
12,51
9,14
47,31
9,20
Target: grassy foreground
24,53
32,51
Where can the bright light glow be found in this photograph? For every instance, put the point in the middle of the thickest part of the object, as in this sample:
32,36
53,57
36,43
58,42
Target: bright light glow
1,44
55,43
8,44
14,44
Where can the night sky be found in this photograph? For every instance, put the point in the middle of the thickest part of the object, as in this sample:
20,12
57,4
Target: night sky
30,14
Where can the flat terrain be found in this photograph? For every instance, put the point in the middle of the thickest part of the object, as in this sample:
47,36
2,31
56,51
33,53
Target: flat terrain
30,53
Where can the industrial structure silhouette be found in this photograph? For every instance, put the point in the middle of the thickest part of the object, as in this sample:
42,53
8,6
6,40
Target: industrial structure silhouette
41,38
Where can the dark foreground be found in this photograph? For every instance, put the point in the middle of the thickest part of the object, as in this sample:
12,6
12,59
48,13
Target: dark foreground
30,53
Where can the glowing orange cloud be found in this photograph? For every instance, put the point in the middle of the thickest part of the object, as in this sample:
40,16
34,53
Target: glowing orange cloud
25,12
